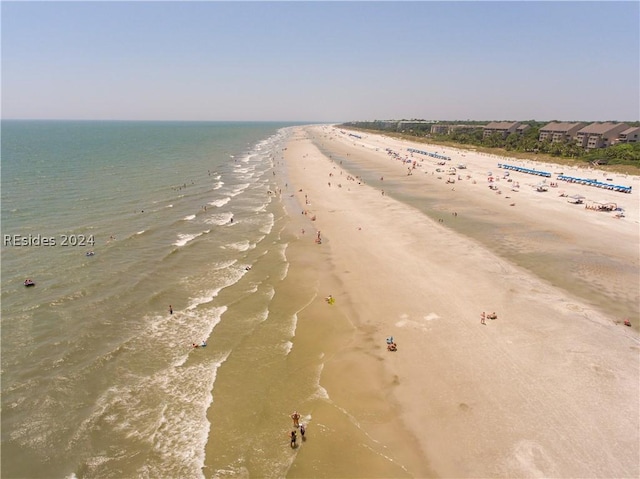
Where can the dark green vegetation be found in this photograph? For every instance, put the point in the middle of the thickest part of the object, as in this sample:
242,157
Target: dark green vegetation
624,157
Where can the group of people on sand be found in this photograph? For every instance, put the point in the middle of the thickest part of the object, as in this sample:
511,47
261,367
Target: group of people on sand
313,218
483,316
296,425
391,344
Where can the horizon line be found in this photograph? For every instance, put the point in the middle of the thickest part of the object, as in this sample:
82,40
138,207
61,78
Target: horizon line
312,121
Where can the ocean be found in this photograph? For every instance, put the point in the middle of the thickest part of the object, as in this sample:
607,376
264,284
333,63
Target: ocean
116,223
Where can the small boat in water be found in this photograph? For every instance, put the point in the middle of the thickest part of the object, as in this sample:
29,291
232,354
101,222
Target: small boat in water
29,282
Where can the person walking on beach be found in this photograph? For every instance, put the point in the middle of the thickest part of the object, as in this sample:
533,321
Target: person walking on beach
482,316
296,418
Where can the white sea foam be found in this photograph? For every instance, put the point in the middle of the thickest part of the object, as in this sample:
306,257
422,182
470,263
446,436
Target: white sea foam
263,222
240,245
263,315
189,217
184,238
206,297
285,268
220,202
283,251
320,392
175,427
225,264
239,189
293,325
180,361
266,229
221,276
194,326
261,208
219,219
270,292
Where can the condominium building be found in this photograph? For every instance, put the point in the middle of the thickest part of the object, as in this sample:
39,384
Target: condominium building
502,127
599,135
557,131
440,129
631,135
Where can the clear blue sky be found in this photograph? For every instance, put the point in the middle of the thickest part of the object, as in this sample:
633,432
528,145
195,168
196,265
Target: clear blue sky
321,61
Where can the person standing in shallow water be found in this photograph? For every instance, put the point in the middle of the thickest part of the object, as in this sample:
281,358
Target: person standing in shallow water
293,438
296,418
170,309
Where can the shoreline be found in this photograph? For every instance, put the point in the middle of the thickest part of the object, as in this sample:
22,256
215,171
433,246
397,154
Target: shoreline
335,429
477,400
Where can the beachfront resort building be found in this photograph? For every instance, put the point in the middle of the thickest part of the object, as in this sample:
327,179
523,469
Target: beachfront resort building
631,135
600,135
440,129
504,128
557,131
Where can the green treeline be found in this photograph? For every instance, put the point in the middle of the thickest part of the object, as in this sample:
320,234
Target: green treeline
470,133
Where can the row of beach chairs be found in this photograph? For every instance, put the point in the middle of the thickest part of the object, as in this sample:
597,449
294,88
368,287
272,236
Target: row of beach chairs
428,153
525,170
596,183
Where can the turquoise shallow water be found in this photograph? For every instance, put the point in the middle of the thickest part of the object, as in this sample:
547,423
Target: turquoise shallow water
98,378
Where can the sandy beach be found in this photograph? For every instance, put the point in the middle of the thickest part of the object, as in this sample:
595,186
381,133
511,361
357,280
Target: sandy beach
550,388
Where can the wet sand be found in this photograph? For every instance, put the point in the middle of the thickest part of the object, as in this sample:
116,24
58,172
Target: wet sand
548,389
